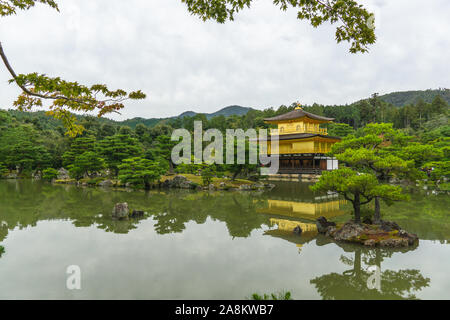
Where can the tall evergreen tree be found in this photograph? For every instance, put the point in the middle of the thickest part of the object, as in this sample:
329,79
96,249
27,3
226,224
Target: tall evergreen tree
116,148
374,153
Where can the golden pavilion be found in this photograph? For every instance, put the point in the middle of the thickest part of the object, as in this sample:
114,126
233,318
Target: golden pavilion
302,142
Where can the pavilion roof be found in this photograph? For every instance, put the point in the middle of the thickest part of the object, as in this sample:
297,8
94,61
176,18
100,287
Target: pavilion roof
296,114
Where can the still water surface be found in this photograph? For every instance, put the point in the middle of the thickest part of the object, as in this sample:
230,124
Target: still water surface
218,245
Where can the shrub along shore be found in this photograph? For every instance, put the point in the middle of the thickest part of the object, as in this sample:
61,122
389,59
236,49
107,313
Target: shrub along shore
176,181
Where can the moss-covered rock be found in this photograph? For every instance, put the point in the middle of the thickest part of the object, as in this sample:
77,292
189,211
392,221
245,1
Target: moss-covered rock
386,234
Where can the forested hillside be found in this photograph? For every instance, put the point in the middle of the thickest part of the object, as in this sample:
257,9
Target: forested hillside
411,97
227,111
355,114
151,122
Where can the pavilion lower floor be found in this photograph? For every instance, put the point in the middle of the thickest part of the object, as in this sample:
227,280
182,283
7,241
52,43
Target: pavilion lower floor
310,163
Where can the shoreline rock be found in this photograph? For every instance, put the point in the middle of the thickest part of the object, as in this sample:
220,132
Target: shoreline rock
106,183
63,174
298,230
180,182
120,211
387,234
322,224
137,214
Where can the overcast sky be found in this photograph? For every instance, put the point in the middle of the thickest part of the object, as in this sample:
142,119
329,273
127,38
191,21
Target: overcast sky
266,57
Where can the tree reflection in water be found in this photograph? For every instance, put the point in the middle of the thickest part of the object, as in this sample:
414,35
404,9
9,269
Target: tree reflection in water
360,282
25,203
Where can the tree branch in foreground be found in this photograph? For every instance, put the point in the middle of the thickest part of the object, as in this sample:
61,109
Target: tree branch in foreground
66,97
357,23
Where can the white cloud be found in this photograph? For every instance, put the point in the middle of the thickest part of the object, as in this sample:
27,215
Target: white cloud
265,58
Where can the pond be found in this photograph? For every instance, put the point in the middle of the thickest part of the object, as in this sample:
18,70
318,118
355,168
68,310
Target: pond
210,245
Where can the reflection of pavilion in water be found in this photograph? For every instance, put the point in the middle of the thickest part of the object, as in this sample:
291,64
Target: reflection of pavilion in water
286,228
329,208
287,215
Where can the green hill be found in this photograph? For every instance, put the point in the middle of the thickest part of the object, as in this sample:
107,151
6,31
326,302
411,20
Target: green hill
151,122
227,111
411,97
47,122
187,114
230,111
